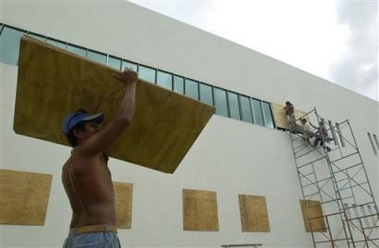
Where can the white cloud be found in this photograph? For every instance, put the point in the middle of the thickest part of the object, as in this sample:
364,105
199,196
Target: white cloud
357,68
291,31
309,34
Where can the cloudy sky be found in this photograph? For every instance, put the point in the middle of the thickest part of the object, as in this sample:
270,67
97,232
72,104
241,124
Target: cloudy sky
334,39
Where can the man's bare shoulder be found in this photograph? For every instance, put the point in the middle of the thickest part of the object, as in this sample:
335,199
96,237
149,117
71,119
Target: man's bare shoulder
79,161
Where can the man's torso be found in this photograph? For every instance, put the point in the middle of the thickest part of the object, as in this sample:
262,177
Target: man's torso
88,184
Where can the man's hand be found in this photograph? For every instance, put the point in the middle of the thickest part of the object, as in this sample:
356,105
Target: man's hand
127,76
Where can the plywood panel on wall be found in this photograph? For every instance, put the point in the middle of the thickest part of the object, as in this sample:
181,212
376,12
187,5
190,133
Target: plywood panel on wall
254,214
53,83
280,116
311,211
124,204
24,197
200,210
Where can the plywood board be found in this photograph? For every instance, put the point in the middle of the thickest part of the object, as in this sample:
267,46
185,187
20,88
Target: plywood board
124,204
200,210
53,83
24,197
311,211
254,214
280,117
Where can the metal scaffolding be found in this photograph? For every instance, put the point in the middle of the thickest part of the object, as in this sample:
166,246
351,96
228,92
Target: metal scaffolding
333,177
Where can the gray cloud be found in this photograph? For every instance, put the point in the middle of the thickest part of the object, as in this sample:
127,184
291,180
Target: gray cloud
358,68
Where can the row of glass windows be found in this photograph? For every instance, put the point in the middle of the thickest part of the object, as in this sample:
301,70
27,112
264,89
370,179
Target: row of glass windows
227,103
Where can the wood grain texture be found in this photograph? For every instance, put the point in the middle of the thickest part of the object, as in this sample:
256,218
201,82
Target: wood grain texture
124,204
24,197
200,210
254,214
311,210
53,83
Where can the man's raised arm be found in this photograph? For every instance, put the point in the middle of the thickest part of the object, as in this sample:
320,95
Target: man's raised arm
124,115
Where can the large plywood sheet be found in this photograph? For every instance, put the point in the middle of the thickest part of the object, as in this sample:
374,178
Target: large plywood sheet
53,82
124,203
200,210
280,116
312,216
23,197
254,214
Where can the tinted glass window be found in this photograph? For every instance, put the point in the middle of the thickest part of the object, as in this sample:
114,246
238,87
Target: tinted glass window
10,45
96,56
57,43
179,84
206,94
38,37
267,115
114,62
77,50
128,65
220,102
164,79
192,89
246,109
146,73
233,105
257,110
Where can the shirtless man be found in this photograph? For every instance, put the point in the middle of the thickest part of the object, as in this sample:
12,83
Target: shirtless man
85,175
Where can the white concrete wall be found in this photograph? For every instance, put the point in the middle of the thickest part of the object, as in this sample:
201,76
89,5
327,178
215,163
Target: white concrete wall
230,157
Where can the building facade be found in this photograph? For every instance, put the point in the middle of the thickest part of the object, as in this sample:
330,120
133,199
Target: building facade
241,151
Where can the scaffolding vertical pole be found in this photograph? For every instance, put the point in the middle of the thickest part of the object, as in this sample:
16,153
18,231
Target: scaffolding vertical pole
340,135
333,133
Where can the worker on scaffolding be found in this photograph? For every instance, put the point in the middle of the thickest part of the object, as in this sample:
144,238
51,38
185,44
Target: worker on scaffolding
307,131
290,112
322,136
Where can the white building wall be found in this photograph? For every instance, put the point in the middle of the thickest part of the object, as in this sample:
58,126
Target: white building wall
230,157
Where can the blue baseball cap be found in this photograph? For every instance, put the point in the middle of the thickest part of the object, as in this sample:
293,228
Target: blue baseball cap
73,119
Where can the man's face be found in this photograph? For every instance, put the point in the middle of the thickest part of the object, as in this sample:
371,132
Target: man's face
90,128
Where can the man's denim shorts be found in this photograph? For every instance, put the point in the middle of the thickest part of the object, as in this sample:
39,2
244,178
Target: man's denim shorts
92,240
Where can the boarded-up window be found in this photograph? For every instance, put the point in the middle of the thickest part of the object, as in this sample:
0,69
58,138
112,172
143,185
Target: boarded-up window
124,203
24,197
312,216
200,210
254,215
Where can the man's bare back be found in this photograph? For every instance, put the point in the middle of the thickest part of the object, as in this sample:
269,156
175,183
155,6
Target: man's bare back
88,184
